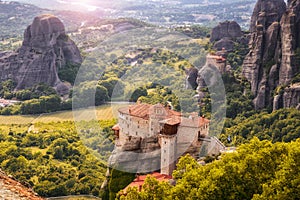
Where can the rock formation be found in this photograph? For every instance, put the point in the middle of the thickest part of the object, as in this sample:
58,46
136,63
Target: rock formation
45,49
227,29
273,59
226,34
191,80
226,43
137,155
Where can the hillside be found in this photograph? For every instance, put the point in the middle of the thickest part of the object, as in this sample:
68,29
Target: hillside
154,52
57,158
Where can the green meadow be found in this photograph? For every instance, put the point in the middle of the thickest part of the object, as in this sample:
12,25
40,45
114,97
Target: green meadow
103,112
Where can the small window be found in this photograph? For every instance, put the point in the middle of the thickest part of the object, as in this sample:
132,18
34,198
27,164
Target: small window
165,142
165,151
138,126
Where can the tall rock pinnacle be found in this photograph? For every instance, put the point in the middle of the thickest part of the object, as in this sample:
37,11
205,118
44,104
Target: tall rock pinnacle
45,49
274,57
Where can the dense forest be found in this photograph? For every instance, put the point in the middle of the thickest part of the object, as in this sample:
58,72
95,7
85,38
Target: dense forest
278,126
258,170
57,159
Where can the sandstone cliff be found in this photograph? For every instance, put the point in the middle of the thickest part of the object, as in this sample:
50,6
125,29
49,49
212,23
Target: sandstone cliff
45,49
272,60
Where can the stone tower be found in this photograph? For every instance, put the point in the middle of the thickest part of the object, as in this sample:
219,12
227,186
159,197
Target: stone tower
168,138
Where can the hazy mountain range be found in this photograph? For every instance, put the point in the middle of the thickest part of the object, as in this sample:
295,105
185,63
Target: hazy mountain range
171,12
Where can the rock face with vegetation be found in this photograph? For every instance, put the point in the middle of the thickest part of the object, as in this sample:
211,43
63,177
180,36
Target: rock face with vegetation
273,60
45,49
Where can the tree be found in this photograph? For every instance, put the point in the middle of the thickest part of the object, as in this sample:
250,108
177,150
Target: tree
258,170
141,91
50,103
114,86
69,72
101,95
185,163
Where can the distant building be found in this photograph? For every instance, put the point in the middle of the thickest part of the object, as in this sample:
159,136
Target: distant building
4,103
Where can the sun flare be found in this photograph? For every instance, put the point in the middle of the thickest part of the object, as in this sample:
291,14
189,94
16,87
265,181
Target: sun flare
84,4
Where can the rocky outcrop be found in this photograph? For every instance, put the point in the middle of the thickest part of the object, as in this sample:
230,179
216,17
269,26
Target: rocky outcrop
290,39
291,96
227,29
191,80
266,12
45,49
226,43
226,34
274,45
137,155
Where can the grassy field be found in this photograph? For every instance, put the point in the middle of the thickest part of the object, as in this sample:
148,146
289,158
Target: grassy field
104,112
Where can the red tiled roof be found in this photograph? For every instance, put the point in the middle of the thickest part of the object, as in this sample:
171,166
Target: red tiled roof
171,121
170,117
139,181
116,127
144,110
3,101
139,110
203,121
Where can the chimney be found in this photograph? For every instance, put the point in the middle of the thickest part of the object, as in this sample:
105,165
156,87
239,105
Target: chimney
194,116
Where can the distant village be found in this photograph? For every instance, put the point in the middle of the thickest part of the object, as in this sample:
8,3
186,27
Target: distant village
5,102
